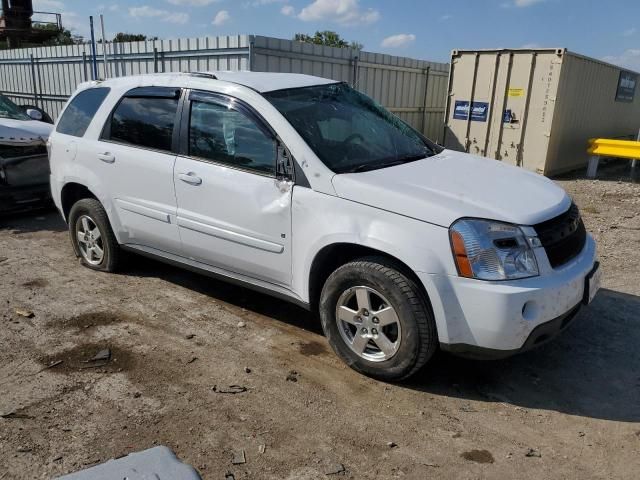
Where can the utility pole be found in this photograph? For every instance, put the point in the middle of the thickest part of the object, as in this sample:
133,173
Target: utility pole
104,47
94,61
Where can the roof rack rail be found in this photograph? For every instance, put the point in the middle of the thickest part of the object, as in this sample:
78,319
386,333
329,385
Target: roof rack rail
203,75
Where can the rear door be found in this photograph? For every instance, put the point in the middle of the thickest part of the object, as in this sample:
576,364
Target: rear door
135,157
233,212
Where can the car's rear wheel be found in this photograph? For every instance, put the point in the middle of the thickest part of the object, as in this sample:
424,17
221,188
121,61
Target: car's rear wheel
377,319
92,237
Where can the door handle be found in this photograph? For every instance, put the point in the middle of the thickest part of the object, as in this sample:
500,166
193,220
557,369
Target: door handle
190,178
107,157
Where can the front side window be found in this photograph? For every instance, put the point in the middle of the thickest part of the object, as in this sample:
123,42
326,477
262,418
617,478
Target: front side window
78,115
347,130
223,134
144,122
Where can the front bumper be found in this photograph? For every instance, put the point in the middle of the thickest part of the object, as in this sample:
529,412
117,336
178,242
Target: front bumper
539,336
498,319
19,199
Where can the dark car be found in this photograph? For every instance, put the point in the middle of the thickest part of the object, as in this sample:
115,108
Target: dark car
24,163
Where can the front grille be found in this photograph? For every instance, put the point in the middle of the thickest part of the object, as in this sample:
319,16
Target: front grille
562,237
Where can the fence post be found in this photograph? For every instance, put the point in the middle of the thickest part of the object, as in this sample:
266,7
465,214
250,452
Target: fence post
34,84
94,60
251,53
155,59
634,163
37,65
354,82
114,59
104,47
592,169
84,66
427,73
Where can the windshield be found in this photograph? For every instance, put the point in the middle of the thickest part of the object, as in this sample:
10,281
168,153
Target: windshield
347,130
8,109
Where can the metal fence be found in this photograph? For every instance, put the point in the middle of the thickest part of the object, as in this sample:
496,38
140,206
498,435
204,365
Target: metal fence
415,90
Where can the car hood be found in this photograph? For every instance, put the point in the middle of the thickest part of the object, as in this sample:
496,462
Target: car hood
23,132
451,185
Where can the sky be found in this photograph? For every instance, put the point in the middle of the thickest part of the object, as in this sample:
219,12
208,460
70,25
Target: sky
428,29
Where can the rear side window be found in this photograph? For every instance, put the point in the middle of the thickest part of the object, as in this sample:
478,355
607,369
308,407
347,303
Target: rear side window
79,113
144,121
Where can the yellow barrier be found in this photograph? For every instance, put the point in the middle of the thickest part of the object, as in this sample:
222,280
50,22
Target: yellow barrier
604,147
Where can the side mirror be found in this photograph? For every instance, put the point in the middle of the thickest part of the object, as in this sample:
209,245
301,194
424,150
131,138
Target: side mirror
284,162
34,114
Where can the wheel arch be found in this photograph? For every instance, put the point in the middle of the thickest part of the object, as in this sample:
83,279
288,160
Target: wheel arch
334,255
72,192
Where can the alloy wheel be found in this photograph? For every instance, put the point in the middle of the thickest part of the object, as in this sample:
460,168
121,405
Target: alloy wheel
368,323
89,240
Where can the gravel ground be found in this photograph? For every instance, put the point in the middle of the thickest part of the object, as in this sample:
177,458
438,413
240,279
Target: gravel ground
179,341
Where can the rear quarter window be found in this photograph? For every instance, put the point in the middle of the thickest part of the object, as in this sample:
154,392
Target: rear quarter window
78,115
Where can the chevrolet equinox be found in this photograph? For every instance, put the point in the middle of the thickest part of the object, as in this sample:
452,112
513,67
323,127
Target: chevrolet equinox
304,188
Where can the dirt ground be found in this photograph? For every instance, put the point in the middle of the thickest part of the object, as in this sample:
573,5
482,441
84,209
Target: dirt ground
569,410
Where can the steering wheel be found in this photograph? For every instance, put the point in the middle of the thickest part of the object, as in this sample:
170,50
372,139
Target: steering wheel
348,144
352,137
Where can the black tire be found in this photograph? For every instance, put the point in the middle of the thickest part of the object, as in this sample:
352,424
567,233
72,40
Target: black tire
419,336
93,209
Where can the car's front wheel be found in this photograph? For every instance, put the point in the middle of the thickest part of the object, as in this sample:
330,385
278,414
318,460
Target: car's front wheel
377,319
92,237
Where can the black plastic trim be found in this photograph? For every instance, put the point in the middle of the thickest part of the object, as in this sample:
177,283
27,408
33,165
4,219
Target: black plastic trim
157,92
563,237
587,283
300,179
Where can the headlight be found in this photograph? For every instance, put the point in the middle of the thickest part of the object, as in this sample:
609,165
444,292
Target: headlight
489,250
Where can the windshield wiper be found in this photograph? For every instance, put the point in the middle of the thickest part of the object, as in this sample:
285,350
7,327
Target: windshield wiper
365,167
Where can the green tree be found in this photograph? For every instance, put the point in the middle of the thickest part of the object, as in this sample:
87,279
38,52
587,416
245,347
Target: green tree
327,37
131,37
63,37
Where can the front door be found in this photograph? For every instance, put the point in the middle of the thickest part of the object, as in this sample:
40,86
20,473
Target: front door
233,213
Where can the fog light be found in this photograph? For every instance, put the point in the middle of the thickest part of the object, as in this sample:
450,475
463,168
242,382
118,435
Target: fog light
530,311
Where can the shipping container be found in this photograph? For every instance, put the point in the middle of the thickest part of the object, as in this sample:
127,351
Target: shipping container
537,108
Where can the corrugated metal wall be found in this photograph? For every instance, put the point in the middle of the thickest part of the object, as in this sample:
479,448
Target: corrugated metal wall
47,76
415,90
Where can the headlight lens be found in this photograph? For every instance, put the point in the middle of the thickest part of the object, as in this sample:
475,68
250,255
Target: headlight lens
489,250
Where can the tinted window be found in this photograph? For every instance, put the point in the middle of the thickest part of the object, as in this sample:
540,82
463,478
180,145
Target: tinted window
79,113
144,121
225,135
8,109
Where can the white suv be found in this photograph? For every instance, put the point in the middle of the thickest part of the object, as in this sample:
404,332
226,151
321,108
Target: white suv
304,188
